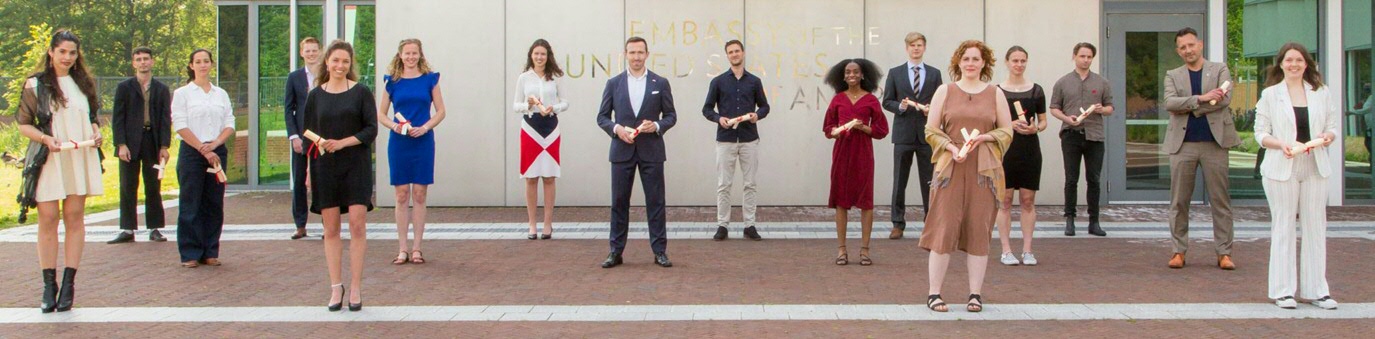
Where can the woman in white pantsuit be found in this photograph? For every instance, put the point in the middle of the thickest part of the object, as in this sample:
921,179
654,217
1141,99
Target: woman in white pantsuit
1295,108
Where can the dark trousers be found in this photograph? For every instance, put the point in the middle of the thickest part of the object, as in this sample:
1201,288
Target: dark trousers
299,207
143,158
1076,147
902,169
200,216
622,181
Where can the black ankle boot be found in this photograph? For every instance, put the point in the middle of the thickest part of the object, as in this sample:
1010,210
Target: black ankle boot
64,298
1069,226
49,291
1096,229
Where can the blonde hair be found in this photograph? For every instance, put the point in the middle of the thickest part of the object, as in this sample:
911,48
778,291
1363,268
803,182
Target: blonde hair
913,37
398,67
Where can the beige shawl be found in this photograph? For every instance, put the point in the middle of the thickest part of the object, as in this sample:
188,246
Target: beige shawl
990,160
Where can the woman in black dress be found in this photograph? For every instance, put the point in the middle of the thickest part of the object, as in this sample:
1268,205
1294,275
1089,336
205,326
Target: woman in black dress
1023,159
344,116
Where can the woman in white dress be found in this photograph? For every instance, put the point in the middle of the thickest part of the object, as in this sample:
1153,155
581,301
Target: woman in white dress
539,103
1297,118
63,119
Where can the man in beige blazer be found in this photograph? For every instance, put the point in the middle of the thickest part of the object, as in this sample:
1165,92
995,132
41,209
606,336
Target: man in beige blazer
1200,132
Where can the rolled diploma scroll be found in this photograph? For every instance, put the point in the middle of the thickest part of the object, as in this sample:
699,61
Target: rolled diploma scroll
968,141
1309,146
634,132
314,138
71,145
1021,113
538,103
1226,87
405,124
916,105
219,172
842,128
1083,113
162,164
735,122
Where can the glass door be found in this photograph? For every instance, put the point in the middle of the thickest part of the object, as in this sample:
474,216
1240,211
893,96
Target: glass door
1138,52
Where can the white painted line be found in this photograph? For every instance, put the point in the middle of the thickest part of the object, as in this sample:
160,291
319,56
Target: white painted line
687,230
634,313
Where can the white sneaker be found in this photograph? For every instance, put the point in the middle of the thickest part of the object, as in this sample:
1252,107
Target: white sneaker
1028,259
1010,260
1325,303
1287,303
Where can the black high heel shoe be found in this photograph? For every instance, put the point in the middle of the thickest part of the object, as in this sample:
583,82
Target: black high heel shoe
340,305
49,291
67,296
356,307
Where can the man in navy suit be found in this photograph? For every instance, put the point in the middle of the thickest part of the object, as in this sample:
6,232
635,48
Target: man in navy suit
636,110
909,85
298,84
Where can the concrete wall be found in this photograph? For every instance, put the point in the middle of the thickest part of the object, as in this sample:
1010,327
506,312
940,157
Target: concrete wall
479,46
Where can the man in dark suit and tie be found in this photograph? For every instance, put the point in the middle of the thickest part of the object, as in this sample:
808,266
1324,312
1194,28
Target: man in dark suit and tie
636,110
298,84
142,128
907,92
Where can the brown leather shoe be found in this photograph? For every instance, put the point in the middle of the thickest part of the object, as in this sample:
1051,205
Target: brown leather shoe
1177,261
1225,262
212,262
895,234
190,264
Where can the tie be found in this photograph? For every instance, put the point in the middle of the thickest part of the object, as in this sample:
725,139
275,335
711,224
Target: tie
916,85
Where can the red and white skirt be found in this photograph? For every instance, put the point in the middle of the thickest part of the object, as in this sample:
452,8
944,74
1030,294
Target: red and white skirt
539,147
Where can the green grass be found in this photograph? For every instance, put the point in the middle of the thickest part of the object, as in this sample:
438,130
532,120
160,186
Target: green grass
10,178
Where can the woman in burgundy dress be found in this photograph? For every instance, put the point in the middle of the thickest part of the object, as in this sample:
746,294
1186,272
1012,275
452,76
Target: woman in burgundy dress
854,119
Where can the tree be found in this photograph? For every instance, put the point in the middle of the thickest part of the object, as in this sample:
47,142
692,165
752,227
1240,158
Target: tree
37,44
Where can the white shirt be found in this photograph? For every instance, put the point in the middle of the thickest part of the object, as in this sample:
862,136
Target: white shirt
546,90
637,94
920,71
205,114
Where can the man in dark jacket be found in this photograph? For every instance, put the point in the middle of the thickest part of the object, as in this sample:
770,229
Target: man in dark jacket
142,124
906,93
298,84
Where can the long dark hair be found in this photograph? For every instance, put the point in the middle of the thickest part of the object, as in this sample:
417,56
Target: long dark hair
551,66
322,75
868,81
1275,73
47,75
191,74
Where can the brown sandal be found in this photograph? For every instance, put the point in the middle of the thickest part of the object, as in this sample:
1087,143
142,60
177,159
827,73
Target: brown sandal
401,259
416,257
864,257
843,258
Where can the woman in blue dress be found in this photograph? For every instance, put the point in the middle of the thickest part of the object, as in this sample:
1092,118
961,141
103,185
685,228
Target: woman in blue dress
411,90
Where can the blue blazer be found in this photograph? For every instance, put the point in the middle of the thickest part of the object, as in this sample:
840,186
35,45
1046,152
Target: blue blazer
295,104
657,106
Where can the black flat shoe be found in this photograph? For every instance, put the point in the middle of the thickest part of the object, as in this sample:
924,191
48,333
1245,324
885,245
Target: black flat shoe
49,291
532,236
752,234
612,260
123,237
336,307
546,236
1096,229
721,234
662,260
156,236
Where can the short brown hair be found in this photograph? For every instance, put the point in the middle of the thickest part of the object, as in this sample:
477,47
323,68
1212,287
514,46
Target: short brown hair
1093,50
735,42
986,74
636,39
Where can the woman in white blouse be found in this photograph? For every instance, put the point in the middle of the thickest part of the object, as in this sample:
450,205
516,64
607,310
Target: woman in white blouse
1296,119
539,102
204,119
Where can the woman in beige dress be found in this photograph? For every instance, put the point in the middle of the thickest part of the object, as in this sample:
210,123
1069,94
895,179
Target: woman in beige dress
63,119
967,186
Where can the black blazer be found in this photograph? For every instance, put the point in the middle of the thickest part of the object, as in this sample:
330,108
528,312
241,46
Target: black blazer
296,93
657,107
127,119
909,127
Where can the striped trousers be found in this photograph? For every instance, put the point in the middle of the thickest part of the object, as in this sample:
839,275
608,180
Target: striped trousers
1300,201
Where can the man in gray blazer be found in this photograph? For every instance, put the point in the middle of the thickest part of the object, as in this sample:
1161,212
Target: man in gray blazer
1200,132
